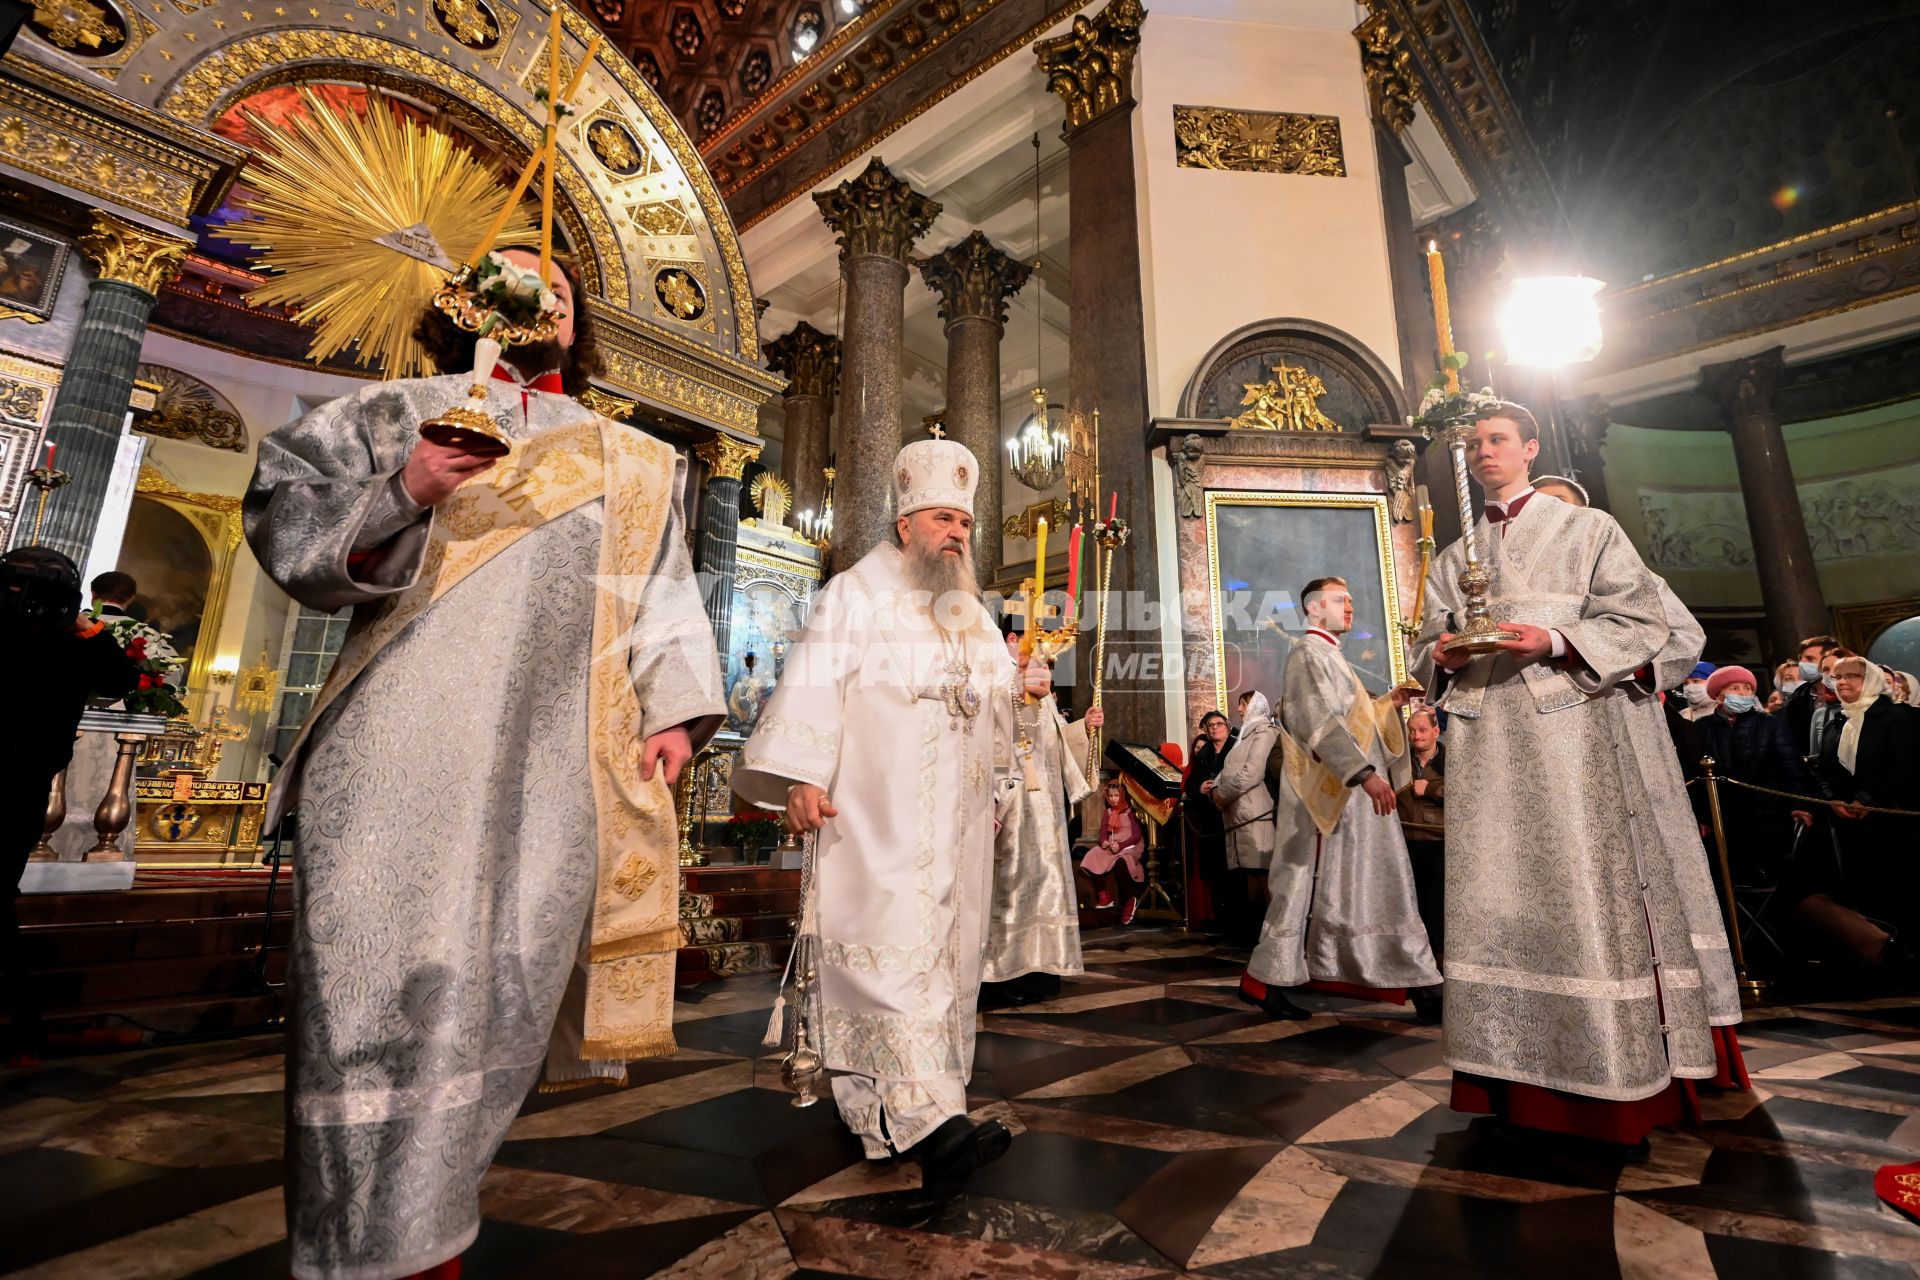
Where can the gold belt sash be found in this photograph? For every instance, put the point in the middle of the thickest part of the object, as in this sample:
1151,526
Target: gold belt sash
1325,795
635,925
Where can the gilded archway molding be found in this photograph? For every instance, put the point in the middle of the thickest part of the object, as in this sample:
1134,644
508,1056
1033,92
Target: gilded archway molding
663,252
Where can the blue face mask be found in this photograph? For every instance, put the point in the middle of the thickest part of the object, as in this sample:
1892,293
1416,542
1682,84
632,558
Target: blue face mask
1809,670
1788,686
1739,703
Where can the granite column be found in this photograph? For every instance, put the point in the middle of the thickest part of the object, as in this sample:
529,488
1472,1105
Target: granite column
810,360
719,546
1091,69
1789,583
875,218
90,409
974,280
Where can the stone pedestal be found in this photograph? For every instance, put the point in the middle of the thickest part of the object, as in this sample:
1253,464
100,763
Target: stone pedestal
1782,552
876,218
810,360
90,408
974,280
1091,69
726,460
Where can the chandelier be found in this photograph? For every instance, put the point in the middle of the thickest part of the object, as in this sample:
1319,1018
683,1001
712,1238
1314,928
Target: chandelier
1038,454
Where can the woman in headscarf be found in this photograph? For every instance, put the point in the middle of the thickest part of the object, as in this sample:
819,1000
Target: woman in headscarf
1869,760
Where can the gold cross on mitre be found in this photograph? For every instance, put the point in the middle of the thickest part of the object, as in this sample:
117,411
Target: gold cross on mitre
937,431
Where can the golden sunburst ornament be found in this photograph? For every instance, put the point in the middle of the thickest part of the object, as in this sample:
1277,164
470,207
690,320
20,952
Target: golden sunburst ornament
358,215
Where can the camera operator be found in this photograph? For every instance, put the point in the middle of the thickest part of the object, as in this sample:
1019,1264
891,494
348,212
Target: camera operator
62,662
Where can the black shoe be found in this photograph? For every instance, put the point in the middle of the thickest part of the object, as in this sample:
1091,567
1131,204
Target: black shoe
1426,1006
949,1155
1275,1005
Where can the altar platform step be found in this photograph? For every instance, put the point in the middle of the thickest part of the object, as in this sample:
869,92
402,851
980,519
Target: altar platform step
735,920
167,957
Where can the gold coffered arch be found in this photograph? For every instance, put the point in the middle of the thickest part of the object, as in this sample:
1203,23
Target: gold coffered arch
658,245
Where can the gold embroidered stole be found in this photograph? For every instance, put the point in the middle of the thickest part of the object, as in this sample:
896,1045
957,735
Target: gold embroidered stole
1325,795
635,926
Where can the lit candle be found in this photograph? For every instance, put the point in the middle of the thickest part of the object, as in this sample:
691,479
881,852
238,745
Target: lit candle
1442,321
1113,507
49,455
1426,511
1073,569
1039,572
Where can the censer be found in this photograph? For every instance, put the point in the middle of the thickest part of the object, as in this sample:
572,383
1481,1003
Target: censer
802,1069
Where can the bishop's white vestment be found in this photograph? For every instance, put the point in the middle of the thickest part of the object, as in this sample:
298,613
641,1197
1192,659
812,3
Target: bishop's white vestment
1034,923
1343,906
475,840
903,727
1585,949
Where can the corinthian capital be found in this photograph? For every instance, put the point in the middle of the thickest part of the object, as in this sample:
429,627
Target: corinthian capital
132,254
726,458
1091,67
809,358
876,214
1389,70
974,279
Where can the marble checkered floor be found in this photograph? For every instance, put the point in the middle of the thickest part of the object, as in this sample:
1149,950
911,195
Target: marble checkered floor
1164,1130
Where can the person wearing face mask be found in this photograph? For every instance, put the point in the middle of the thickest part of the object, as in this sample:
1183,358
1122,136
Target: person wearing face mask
1751,746
1786,678
1694,692
1808,697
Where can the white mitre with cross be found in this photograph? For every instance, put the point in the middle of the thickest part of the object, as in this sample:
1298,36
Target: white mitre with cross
934,473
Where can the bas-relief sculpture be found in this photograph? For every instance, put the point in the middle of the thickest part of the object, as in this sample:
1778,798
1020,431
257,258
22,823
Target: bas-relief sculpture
1847,518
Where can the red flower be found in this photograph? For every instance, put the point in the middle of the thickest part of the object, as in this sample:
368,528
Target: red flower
146,682
137,648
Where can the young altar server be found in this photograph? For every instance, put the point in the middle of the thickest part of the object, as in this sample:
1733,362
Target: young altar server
1588,976
1344,914
483,779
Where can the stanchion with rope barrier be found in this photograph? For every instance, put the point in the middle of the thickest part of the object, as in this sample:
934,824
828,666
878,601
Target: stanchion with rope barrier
1753,990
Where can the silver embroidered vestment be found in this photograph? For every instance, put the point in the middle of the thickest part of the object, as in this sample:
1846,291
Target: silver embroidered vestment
1585,948
867,709
1034,926
1342,905
448,838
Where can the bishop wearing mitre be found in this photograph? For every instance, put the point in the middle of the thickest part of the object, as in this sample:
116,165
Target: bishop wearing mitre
1588,978
886,734
486,835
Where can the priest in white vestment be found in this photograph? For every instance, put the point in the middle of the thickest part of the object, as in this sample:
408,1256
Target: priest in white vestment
1033,930
1344,915
1588,976
884,735
482,784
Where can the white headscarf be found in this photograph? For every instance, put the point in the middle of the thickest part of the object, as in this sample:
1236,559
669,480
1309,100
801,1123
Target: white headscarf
1872,687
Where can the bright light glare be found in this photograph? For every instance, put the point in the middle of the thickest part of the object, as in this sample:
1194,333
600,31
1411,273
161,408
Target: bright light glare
1550,321
849,6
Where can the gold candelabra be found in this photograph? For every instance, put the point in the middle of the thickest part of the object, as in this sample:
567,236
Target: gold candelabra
1109,536
1479,633
46,480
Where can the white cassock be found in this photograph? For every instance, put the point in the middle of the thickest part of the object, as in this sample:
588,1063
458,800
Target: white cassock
1585,947
1343,906
1035,921
873,708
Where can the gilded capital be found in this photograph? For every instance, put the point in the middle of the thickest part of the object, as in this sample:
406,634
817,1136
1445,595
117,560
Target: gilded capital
876,214
974,279
1389,70
607,405
1091,67
726,458
809,358
132,254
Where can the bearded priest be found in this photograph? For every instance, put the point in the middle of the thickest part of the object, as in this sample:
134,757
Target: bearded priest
488,835
885,735
1588,977
1344,917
